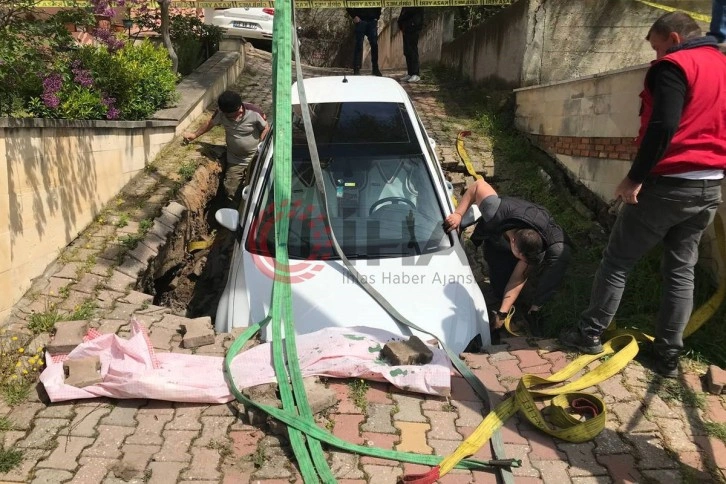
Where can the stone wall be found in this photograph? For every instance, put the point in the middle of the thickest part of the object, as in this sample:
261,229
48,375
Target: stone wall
390,41
589,126
60,173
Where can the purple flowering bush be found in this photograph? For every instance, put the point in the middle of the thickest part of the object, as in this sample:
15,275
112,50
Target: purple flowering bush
129,82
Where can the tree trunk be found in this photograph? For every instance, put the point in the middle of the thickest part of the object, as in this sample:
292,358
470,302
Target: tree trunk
165,34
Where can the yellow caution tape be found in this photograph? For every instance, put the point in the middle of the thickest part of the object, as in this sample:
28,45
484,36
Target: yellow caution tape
620,350
696,16
464,155
199,244
302,3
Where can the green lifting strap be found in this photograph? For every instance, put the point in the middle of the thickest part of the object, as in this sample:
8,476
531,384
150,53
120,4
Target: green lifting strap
296,412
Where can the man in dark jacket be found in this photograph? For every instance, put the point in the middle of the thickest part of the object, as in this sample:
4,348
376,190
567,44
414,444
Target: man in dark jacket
366,25
672,190
518,237
411,22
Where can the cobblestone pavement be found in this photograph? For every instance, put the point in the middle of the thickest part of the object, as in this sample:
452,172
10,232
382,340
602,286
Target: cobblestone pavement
655,432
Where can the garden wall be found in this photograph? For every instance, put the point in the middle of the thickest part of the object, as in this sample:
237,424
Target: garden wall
60,173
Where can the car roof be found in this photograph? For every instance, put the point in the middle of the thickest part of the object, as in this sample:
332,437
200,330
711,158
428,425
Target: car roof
332,89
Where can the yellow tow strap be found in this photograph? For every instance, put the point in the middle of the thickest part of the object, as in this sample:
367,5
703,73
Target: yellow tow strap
464,155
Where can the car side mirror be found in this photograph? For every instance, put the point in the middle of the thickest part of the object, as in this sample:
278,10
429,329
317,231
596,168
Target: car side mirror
228,218
470,217
246,193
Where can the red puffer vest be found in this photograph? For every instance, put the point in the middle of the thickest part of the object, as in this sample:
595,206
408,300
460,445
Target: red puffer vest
700,141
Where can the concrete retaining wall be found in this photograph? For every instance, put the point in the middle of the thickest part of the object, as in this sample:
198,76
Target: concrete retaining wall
60,173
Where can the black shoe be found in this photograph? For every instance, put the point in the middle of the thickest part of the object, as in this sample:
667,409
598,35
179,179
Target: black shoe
573,338
667,367
377,72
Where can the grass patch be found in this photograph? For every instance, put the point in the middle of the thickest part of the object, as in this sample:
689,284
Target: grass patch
519,168
674,390
715,429
130,241
9,459
84,311
187,169
19,369
123,220
258,458
45,321
5,424
358,391
16,391
145,225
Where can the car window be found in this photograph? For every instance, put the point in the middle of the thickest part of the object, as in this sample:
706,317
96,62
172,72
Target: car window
378,207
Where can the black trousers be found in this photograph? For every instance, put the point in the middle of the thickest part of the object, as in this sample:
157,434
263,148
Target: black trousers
410,50
363,29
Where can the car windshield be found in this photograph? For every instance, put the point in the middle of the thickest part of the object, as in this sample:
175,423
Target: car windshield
380,204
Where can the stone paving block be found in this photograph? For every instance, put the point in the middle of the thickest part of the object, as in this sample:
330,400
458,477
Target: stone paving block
68,271
138,298
342,392
582,460
664,475
136,459
148,430
122,311
514,451
444,447
82,372
715,411
43,433
66,453
274,467
10,437
694,464
656,407
108,443
490,380
203,465
651,452
383,441
68,335
409,408
517,343
499,353
409,352
161,338
383,474
613,387
22,472
123,413
413,437
378,419
442,425
244,443
470,412
529,358
632,418
715,379
93,470
344,465
176,446
86,418
197,332
543,446
103,267
165,472
50,476
175,209
119,281
714,448
621,467
609,441
677,438
592,480
554,471
347,427
62,410
378,393
131,266
89,283
74,301
461,390
21,417
160,230
153,242
214,431
186,417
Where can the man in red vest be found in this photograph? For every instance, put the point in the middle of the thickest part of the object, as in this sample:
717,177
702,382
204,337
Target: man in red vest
672,190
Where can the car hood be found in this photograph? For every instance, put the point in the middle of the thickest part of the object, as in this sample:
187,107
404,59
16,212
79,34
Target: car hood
437,293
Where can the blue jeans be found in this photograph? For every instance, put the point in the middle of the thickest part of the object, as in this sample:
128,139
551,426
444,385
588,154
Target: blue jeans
676,216
718,20
366,28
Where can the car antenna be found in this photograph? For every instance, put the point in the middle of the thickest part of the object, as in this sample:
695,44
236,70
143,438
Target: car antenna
345,79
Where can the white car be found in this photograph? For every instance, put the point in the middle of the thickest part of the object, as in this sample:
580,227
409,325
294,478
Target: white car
247,22
387,199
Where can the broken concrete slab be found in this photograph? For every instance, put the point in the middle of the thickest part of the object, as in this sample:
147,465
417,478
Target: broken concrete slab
83,372
265,394
319,396
68,335
716,379
410,352
197,332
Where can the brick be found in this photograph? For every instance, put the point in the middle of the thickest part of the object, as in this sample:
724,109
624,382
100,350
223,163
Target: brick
528,358
119,281
470,412
86,419
83,372
409,352
319,396
186,417
66,453
50,476
632,418
131,267
508,369
621,467
177,443
68,335
409,408
136,457
413,437
677,437
214,430
461,390
44,431
148,430
582,461
383,474
346,427
552,470
650,449
197,332
442,425
204,465
714,448
543,446
344,465
715,411
614,387
21,417
513,451
383,441
345,403
165,472
108,442
379,419
123,413
378,393
696,465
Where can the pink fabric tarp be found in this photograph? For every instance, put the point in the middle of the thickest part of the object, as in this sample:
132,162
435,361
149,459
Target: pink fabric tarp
131,369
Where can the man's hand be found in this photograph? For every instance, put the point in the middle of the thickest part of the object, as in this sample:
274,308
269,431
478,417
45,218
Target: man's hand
189,136
628,191
356,19
496,321
452,222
